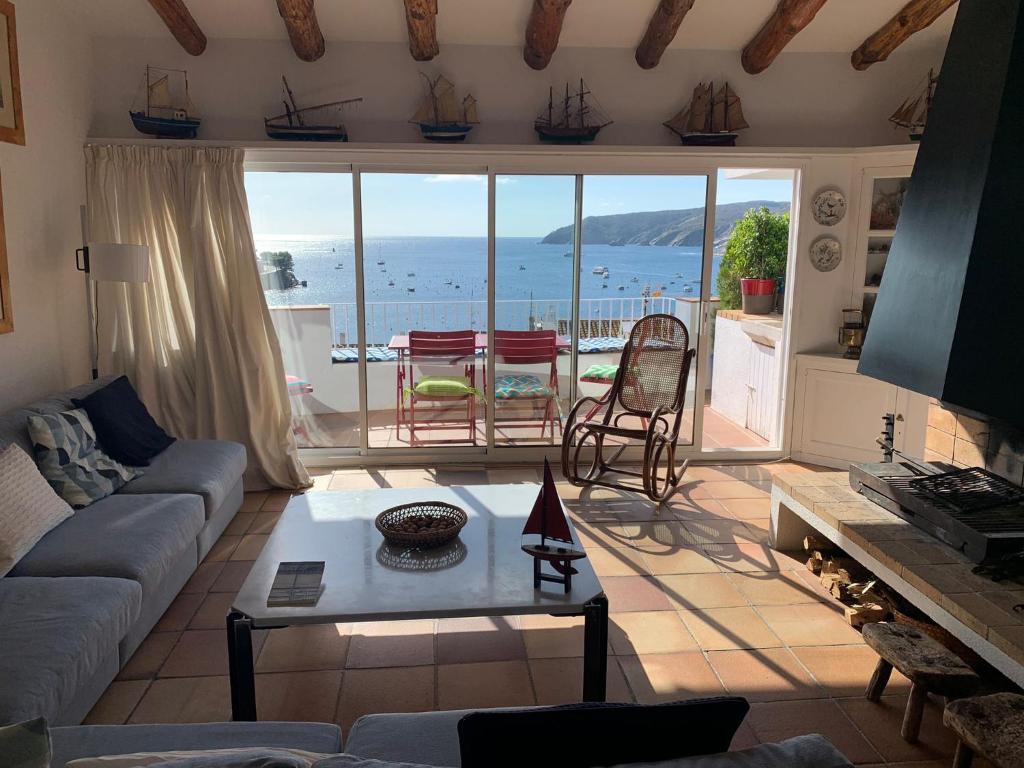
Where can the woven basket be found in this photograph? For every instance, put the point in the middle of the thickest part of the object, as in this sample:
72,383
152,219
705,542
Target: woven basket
390,520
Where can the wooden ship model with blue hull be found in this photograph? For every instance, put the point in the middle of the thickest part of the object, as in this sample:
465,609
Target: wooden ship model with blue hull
316,123
710,119
440,117
166,116
547,537
576,122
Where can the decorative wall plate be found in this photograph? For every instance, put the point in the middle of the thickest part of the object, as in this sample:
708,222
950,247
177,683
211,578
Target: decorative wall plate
828,207
826,253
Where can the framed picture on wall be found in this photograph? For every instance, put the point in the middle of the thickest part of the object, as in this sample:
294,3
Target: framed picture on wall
12,127
6,310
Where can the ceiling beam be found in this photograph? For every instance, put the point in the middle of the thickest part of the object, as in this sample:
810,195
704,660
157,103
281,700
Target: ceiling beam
184,28
789,17
913,17
421,19
303,28
661,31
542,31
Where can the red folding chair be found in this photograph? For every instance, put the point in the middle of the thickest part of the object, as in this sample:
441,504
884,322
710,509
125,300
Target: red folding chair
434,397
528,348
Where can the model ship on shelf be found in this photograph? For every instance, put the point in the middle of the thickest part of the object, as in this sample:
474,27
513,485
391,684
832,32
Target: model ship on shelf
317,123
574,121
167,115
547,538
710,119
440,116
913,113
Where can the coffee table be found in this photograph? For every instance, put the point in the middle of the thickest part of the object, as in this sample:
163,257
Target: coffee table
481,573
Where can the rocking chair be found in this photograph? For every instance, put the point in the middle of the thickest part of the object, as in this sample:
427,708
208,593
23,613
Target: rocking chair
650,385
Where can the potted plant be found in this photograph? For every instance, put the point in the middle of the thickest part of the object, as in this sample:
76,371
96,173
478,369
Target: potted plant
754,260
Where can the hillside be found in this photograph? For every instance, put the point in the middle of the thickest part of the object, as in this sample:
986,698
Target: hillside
682,227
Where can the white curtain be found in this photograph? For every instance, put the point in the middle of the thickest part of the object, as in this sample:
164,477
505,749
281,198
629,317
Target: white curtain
197,339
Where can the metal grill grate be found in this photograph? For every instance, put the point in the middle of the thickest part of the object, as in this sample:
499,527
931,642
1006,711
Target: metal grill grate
969,490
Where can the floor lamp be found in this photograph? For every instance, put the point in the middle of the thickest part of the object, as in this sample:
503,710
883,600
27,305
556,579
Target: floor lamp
109,263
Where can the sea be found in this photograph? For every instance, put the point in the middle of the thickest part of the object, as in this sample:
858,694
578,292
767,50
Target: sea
440,283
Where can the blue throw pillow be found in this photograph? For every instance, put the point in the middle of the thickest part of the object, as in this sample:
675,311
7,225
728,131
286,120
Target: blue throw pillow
125,430
72,463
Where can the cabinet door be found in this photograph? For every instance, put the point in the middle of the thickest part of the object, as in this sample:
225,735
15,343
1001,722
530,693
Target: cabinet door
842,417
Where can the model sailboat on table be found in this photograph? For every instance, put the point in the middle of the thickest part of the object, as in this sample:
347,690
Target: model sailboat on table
710,119
913,113
316,123
547,537
440,117
167,115
574,121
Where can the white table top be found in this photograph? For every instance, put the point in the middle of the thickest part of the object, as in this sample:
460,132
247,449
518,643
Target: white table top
491,575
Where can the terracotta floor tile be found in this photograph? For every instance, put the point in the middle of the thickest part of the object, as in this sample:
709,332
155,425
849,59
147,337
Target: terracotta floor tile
296,649
253,501
719,530
560,681
743,509
409,478
117,702
810,624
723,629
698,508
701,590
768,674
714,473
198,652
653,538
490,684
681,560
390,689
185,700
391,644
222,549
460,641
203,578
179,613
211,614
249,547
600,535
670,677
774,588
748,556
232,577
760,528
149,656
739,489
845,670
634,593
356,480
552,636
239,525
778,720
641,632
881,722
617,562
298,696
276,501
264,522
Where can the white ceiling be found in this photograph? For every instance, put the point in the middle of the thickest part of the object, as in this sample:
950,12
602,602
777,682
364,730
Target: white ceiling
840,26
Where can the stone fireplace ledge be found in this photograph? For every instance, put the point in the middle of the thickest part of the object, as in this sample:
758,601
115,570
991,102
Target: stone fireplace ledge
933,576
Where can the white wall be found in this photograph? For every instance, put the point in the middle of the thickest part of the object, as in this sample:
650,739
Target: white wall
43,185
803,99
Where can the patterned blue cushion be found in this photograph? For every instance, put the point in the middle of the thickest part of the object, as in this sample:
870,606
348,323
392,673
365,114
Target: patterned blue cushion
67,455
522,385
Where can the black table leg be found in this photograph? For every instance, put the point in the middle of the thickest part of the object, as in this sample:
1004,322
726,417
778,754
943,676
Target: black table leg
240,667
595,648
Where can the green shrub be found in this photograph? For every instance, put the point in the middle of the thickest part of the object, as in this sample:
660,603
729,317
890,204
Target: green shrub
757,249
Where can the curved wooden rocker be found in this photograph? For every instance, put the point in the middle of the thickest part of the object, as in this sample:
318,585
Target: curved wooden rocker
650,385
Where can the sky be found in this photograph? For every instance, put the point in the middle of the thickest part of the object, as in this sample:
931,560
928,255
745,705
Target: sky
455,205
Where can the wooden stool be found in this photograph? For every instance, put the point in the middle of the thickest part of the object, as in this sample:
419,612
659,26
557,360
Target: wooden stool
927,664
992,726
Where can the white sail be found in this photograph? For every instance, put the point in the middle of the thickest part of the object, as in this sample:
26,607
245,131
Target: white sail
447,108
425,111
700,107
160,94
679,121
734,119
718,121
469,109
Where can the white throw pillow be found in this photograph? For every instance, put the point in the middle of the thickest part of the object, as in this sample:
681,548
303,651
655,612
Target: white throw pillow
29,507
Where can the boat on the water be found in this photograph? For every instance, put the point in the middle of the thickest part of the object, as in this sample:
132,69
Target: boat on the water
575,122
168,115
710,119
440,116
598,270
316,123
913,112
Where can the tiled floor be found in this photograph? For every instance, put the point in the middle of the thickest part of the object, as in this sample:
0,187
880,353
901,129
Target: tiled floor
700,606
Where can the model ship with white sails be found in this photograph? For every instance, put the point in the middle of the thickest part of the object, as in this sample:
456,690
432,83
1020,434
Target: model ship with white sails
167,115
316,123
440,116
711,119
913,113
574,121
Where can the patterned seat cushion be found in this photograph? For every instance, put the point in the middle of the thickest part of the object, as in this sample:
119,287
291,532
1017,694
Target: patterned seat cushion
600,372
74,466
521,385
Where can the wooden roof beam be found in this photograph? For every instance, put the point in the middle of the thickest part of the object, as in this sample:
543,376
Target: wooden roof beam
181,24
661,31
789,17
303,28
913,17
543,30
421,19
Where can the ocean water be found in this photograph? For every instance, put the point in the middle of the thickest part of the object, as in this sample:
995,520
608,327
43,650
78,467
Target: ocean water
448,276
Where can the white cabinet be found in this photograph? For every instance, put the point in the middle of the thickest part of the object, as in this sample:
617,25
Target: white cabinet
838,413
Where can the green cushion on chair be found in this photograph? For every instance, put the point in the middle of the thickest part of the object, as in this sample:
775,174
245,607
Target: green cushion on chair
524,385
600,372
443,386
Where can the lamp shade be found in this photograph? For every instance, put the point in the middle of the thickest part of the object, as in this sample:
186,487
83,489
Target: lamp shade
118,263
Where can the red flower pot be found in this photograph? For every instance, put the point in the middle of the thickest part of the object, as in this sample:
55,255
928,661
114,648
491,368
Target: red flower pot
758,295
